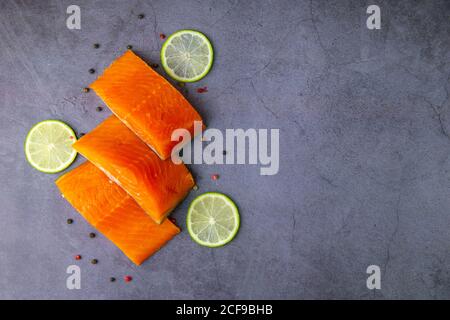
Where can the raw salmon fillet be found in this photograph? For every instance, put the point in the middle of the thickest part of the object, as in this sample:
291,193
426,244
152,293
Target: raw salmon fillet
156,185
108,208
147,103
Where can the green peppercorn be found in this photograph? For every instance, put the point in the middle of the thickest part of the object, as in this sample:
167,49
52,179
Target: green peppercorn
69,221
94,261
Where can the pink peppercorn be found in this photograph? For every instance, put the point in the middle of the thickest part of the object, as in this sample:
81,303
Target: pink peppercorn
202,90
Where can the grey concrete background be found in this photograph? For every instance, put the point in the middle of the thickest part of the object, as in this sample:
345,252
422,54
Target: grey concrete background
365,144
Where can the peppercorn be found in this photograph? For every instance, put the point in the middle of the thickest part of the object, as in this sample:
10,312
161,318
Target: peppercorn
195,187
82,134
215,177
91,235
224,152
202,90
129,47
69,221
162,36
85,89
91,70
141,16
112,279
99,109
78,257
96,45
128,278
94,261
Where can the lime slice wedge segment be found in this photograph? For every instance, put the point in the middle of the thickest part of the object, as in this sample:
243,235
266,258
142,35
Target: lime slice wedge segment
187,55
48,146
212,219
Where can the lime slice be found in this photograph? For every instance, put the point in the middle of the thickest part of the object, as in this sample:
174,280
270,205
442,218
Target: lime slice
212,219
187,55
48,146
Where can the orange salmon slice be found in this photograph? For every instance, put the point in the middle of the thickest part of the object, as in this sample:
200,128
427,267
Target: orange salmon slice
145,102
109,209
156,185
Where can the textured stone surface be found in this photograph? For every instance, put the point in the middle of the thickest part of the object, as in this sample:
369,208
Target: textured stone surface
365,143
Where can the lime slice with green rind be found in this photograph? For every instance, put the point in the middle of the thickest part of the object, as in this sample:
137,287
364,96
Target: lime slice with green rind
48,146
212,219
187,55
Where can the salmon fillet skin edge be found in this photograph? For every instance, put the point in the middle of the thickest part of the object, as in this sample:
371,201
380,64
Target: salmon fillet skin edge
156,185
109,209
145,102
